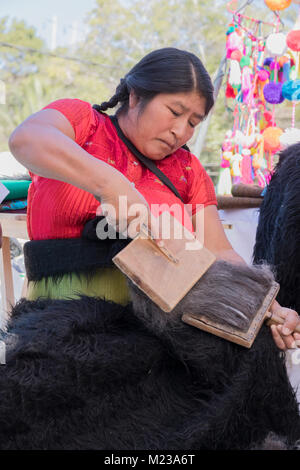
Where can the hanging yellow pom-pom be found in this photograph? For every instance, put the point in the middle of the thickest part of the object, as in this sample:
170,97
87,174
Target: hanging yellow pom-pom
278,4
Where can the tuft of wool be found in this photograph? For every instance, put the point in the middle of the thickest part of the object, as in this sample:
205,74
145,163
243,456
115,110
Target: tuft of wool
228,293
275,442
86,374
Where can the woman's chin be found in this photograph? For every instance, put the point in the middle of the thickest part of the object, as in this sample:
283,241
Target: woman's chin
157,155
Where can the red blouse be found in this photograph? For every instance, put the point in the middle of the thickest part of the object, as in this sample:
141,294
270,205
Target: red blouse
60,210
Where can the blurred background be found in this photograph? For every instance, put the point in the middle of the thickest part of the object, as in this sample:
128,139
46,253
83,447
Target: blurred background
80,49
55,49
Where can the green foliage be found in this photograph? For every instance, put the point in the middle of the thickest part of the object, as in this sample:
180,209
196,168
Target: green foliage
121,32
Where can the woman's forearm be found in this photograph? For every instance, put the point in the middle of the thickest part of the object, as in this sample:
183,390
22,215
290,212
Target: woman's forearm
47,152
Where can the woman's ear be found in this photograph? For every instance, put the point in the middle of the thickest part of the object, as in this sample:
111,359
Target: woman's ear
133,99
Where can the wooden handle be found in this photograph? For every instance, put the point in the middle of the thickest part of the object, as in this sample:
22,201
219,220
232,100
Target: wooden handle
273,318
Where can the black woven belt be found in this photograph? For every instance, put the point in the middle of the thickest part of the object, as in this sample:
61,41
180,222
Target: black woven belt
44,258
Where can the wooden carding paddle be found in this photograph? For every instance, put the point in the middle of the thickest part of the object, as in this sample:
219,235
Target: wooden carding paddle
165,274
234,335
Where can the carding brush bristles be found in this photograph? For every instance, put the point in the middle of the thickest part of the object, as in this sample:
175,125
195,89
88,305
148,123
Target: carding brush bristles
230,294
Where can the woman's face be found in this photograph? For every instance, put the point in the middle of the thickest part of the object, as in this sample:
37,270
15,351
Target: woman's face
166,123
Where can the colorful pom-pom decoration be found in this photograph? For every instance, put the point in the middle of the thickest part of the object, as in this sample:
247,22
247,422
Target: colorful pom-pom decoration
263,75
235,76
273,93
289,137
274,65
239,138
236,55
271,137
291,90
245,61
230,30
283,60
268,116
276,44
230,91
278,4
293,40
268,61
234,42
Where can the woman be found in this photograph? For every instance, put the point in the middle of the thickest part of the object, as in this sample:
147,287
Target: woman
74,153
88,373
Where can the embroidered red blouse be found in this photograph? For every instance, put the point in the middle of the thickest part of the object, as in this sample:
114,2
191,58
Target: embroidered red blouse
60,210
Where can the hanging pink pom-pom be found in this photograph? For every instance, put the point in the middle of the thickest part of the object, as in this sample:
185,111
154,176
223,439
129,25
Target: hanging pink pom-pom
236,55
268,118
263,75
246,83
227,145
293,40
225,163
273,93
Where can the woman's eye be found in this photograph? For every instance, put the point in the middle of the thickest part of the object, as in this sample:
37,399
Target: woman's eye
192,125
174,112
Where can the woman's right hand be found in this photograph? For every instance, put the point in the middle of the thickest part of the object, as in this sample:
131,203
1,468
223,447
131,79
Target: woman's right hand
126,209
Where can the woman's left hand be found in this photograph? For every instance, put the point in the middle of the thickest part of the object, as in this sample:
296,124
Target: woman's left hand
208,227
283,334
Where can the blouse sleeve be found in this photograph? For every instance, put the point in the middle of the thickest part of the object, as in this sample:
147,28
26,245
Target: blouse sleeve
201,189
80,114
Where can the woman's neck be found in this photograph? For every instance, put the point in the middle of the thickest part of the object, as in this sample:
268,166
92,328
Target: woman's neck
126,125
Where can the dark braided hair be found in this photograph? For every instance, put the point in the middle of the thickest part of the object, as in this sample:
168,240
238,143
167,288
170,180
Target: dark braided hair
167,70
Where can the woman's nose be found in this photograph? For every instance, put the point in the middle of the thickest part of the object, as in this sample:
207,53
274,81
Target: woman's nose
179,129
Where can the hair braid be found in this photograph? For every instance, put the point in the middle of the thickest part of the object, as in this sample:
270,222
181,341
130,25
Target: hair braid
167,70
121,96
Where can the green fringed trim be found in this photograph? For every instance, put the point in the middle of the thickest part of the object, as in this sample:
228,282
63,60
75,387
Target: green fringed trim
106,283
